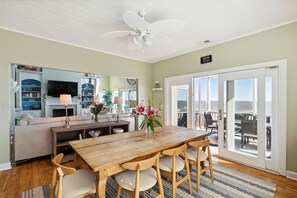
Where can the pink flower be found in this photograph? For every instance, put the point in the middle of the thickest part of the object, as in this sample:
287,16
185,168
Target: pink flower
150,113
140,109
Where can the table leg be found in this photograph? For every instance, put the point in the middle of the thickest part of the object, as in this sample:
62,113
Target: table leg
101,178
76,161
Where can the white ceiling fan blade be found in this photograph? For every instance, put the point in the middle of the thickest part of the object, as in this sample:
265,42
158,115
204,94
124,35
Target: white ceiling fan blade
167,26
118,33
160,41
134,21
132,45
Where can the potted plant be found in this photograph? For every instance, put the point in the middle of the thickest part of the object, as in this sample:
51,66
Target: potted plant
107,97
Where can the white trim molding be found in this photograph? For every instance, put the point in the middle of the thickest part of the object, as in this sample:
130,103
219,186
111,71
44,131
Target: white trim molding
5,166
282,101
292,175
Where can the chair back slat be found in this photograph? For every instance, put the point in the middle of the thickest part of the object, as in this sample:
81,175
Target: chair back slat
56,163
175,151
200,143
142,164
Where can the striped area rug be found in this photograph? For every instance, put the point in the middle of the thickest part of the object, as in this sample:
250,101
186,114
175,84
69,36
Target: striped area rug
228,183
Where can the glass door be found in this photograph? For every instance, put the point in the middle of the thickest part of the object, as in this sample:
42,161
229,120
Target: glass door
179,101
180,105
242,116
205,99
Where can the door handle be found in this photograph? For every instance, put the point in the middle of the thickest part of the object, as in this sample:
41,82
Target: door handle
220,114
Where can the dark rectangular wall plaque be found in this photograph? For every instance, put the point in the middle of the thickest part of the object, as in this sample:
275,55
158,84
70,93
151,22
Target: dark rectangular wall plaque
206,59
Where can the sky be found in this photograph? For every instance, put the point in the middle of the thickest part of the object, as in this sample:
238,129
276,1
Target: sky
243,89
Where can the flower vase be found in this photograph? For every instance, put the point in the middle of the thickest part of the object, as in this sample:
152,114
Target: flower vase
95,118
148,130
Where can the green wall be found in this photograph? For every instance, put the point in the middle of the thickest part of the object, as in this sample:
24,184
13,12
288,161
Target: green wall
279,43
23,49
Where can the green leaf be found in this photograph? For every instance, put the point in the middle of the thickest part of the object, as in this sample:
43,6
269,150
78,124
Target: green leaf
142,124
151,125
158,123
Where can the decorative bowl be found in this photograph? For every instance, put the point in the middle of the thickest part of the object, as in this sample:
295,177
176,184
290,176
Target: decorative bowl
94,133
118,130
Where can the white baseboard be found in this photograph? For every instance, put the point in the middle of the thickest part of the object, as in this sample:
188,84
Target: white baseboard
292,175
5,166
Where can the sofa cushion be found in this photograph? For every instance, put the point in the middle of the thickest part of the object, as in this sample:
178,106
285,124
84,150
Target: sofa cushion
24,120
35,121
77,118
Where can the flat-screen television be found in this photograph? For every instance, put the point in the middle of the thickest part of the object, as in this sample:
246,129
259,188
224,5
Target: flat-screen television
55,88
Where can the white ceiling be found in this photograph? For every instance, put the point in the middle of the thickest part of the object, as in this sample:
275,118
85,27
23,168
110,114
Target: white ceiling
81,22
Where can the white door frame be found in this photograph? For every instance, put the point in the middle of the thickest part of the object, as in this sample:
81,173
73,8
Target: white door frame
282,100
168,94
259,97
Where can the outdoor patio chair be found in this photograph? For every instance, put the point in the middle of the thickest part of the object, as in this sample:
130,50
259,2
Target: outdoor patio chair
248,130
209,122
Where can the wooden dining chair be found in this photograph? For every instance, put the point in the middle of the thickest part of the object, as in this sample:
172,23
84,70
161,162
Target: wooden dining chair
197,155
140,176
70,182
172,163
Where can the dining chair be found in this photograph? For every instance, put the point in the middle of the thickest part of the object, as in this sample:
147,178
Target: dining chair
197,155
140,176
172,163
71,182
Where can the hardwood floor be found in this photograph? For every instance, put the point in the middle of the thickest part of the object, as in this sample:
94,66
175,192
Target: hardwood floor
38,172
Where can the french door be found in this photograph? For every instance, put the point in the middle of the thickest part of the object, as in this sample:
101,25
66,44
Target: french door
179,103
247,109
249,103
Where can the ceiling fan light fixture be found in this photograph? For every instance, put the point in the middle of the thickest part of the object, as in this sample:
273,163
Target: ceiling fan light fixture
145,33
148,42
135,40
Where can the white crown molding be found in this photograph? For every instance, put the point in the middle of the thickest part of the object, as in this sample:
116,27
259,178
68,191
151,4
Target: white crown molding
292,175
5,166
158,59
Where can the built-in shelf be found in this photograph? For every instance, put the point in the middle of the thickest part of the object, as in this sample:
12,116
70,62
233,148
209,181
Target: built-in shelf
87,95
31,92
157,89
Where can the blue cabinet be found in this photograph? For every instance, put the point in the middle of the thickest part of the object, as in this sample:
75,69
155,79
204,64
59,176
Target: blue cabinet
87,95
30,94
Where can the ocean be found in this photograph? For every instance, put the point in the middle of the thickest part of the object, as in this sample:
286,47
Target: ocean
240,106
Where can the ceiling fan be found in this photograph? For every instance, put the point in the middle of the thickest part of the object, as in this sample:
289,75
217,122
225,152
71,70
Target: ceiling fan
146,34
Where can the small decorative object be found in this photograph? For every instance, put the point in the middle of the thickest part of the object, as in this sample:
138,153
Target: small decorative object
117,130
150,116
157,84
131,81
94,133
95,109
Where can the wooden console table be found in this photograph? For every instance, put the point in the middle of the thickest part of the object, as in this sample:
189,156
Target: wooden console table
61,135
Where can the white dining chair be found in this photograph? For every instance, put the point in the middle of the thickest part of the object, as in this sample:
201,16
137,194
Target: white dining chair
140,176
68,182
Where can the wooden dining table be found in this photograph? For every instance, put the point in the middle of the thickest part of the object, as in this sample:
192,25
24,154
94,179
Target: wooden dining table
104,155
